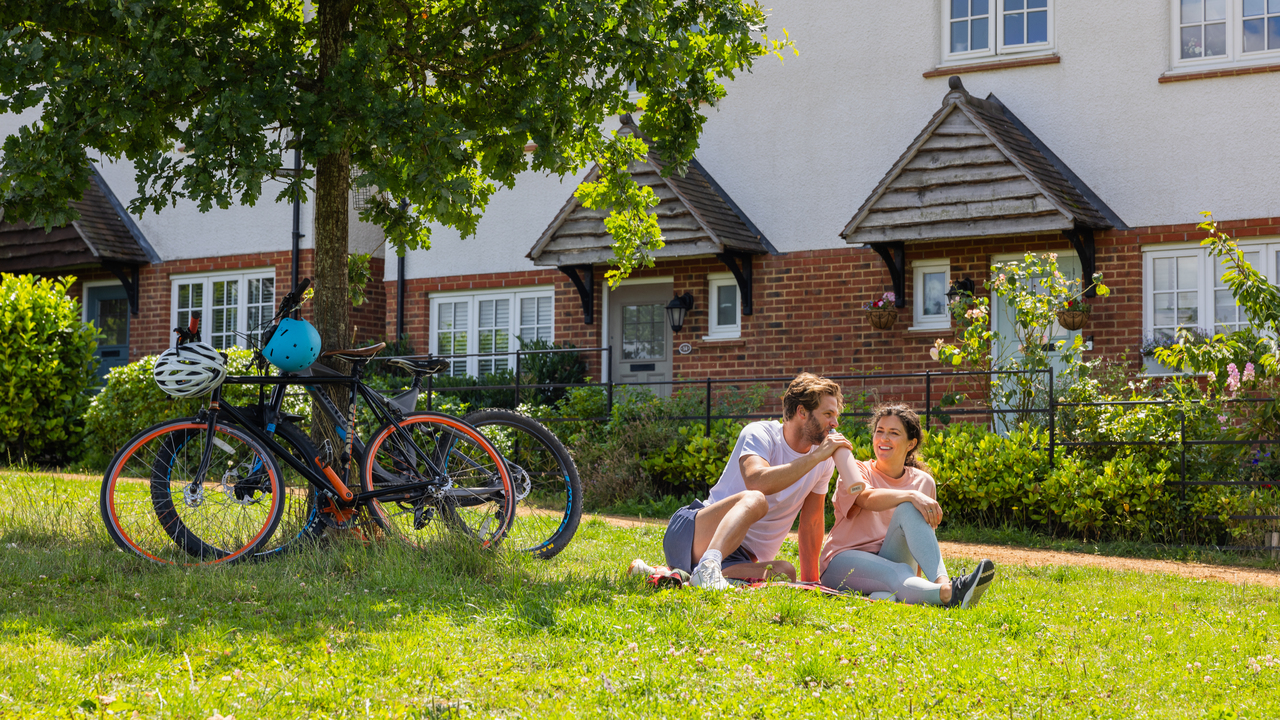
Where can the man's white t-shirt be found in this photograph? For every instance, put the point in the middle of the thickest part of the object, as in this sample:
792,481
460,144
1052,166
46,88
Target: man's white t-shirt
765,440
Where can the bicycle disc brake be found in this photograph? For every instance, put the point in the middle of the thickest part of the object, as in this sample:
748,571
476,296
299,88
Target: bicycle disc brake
521,479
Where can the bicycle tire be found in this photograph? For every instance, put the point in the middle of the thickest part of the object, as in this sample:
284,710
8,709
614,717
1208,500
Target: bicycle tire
152,507
300,519
553,499
480,502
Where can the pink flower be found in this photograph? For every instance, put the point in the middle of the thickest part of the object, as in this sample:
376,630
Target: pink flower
1233,379
889,296
1248,372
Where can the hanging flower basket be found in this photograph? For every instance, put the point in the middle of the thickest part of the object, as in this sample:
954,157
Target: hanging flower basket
882,318
1074,318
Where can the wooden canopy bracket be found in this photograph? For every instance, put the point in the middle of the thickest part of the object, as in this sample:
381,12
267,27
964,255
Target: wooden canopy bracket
585,283
894,255
740,265
128,277
1082,240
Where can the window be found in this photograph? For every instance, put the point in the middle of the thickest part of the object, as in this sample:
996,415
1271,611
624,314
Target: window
489,322
978,29
1184,289
1208,33
231,307
725,311
932,279
1229,317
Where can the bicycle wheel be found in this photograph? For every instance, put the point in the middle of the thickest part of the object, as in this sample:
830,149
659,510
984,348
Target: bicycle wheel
548,493
154,505
300,519
475,496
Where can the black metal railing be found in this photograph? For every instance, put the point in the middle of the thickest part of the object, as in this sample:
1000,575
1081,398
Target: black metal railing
930,381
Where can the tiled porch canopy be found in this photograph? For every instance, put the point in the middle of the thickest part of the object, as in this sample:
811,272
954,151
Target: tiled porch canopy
976,171
696,216
105,236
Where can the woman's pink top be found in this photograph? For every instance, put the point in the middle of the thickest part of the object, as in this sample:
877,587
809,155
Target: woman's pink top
864,529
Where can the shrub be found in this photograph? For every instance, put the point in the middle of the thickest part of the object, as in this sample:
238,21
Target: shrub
131,402
642,451
46,365
551,369
984,477
988,479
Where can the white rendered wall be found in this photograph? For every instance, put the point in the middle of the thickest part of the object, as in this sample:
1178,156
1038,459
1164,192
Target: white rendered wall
514,221
800,144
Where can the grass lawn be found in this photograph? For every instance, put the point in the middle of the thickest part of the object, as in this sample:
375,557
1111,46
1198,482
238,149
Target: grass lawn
382,631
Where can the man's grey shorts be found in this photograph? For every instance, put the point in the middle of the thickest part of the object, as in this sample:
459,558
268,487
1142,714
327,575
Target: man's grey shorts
678,542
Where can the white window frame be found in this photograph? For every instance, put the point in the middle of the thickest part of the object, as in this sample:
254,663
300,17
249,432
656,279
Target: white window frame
1235,55
996,47
206,309
918,319
1205,281
473,299
716,331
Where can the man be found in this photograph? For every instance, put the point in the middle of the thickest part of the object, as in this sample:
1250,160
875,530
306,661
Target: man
776,470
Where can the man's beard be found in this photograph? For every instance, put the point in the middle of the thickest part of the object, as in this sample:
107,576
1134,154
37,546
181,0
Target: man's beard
814,433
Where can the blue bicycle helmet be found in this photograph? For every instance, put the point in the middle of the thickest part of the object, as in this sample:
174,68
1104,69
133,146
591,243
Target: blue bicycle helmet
294,346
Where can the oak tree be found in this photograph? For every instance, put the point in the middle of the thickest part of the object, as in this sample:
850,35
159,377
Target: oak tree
434,102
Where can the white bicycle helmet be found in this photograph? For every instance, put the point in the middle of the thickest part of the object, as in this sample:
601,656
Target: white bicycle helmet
190,370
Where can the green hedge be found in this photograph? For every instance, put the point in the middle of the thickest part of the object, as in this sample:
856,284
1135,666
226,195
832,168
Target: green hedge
988,479
46,366
131,402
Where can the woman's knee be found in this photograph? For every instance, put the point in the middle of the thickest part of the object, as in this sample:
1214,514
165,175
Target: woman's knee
907,512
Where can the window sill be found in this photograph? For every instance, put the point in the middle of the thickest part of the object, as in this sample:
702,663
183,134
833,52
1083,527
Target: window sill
1226,71
944,329
723,339
946,70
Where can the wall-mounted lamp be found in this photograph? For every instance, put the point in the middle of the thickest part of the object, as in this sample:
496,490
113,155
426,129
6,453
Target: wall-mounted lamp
959,287
676,310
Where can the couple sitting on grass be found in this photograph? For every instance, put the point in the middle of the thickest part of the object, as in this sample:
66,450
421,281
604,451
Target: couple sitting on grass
885,509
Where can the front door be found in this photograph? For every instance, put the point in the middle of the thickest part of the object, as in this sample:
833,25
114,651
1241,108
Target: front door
640,335
1005,322
107,307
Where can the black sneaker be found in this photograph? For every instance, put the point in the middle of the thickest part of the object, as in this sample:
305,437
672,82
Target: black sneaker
966,591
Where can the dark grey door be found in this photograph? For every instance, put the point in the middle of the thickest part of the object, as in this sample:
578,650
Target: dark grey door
107,308
640,336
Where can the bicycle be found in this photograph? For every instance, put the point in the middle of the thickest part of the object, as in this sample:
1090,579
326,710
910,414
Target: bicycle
545,476
420,471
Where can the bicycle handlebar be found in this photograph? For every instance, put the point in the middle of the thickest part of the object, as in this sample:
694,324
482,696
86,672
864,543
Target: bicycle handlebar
293,299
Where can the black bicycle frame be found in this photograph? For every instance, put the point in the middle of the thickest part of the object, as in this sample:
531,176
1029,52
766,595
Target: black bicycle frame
408,491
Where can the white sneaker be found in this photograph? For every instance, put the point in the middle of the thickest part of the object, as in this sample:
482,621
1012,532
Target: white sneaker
708,577
640,567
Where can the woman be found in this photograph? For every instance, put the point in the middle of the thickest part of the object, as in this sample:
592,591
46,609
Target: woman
886,513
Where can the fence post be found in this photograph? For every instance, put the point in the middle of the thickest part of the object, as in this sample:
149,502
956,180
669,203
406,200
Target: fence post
928,398
609,350
517,378
708,417
1182,447
1053,427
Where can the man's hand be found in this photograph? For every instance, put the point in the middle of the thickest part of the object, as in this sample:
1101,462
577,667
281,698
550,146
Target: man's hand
928,507
830,444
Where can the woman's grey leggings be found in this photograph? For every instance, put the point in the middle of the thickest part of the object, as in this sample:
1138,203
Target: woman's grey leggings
909,544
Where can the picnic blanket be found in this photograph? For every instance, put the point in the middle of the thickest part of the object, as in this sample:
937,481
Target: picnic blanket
665,577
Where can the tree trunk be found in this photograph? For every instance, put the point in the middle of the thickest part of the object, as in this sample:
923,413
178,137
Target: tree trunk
331,304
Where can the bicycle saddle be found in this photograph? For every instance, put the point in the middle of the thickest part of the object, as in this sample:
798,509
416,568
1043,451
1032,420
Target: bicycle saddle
422,365
356,354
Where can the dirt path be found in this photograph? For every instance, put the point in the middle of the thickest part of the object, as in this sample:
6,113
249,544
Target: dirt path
1006,555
